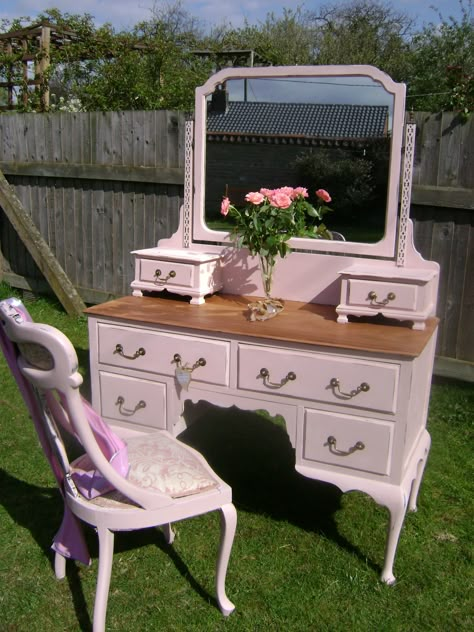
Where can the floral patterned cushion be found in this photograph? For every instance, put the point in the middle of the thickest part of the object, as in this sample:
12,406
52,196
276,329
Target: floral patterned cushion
161,463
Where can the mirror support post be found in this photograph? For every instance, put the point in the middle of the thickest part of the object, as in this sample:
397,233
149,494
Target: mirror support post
406,193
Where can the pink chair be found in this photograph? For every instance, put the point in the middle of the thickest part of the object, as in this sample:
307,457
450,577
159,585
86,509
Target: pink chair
150,480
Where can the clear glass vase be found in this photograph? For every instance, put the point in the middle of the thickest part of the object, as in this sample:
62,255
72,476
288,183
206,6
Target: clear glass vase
267,266
269,307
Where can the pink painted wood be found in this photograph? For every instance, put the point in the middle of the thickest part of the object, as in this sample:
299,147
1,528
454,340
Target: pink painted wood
354,397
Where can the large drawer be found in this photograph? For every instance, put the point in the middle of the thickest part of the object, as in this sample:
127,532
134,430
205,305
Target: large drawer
367,384
347,441
155,352
132,400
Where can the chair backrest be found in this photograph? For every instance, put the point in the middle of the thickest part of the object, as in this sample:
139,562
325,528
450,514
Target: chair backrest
55,373
45,365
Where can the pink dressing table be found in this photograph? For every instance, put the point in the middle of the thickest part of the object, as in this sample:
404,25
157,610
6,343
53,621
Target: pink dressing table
353,392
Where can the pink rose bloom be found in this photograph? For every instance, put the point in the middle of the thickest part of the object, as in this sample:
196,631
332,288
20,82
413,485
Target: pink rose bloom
225,206
280,200
289,191
323,195
266,192
254,197
300,191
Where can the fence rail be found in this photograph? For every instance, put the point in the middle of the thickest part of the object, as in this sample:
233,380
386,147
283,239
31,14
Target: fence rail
99,185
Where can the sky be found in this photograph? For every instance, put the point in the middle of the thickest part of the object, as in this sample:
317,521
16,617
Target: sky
124,14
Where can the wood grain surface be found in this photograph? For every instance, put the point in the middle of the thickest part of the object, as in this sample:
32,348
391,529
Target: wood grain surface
303,323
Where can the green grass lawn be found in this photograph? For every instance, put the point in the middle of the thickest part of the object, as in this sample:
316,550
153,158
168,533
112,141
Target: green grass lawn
305,558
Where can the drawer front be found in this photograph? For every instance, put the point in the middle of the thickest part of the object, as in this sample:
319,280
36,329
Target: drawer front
380,294
131,400
319,377
347,441
154,352
163,273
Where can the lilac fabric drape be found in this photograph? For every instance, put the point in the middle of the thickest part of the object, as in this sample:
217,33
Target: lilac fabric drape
69,540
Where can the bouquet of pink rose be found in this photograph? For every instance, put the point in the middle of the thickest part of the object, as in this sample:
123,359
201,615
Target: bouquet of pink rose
271,218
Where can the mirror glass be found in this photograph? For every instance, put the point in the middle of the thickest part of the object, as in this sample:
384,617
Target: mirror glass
318,131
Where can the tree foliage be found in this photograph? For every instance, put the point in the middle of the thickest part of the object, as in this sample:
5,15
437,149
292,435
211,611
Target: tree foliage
363,32
440,75
154,64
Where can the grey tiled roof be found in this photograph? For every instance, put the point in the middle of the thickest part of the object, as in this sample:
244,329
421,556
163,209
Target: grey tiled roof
311,120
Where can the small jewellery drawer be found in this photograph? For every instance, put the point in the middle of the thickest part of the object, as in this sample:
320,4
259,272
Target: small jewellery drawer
180,271
163,353
320,377
161,273
380,294
133,400
347,441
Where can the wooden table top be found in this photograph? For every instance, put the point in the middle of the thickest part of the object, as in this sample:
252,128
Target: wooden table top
305,323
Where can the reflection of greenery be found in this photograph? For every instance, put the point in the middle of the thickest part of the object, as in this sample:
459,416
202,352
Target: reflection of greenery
357,231
357,182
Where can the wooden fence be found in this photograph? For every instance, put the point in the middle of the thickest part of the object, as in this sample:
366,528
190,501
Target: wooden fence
99,185
443,214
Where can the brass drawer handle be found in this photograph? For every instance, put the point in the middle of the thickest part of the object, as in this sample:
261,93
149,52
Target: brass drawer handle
331,442
186,367
265,375
161,280
128,412
336,385
139,352
391,296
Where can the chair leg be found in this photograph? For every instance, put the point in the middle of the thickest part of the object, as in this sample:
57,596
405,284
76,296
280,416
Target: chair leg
228,526
59,566
106,552
168,532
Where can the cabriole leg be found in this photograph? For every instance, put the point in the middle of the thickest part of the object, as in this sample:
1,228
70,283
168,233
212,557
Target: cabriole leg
168,533
397,509
415,488
228,526
106,552
59,566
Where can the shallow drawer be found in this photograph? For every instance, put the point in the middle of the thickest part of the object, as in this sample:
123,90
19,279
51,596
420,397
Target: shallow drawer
163,273
347,441
133,400
319,377
155,352
380,294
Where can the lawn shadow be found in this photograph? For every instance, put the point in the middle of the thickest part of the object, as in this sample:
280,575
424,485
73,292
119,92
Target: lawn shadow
255,457
20,497
39,510
83,359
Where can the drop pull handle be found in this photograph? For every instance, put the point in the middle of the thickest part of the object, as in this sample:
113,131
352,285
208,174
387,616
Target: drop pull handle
336,387
162,280
332,443
139,352
128,412
372,297
265,375
186,367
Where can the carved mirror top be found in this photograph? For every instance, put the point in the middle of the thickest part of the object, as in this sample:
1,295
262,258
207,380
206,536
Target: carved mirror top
332,127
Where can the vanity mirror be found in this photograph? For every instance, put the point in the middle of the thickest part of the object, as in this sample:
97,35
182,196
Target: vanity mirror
333,127
338,128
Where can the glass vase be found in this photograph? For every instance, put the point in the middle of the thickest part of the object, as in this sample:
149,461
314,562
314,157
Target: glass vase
269,307
267,266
